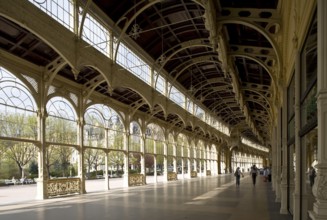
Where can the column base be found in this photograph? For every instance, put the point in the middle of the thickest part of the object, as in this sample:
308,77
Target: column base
283,201
83,189
125,180
314,216
106,183
41,192
165,177
319,211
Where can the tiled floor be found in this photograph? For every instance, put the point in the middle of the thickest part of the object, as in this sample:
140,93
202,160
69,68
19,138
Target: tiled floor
190,199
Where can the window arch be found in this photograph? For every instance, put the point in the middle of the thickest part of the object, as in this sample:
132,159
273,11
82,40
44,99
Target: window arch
17,108
61,125
154,139
135,137
182,146
98,119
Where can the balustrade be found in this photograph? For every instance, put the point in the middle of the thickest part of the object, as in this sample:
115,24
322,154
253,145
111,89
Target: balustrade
58,187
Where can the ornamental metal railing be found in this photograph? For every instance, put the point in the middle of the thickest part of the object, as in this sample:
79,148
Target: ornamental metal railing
59,187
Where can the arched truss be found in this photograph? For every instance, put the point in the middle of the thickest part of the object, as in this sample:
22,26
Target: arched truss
156,112
258,29
177,120
129,22
260,62
202,85
259,97
180,47
135,99
202,59
95,82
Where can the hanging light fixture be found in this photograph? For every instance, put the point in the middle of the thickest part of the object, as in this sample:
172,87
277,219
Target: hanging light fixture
162,58
192,88
136,29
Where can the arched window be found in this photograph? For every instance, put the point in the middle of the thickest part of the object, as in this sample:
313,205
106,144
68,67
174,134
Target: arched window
18,124
135,137
154,139
98,118
17,108
61,126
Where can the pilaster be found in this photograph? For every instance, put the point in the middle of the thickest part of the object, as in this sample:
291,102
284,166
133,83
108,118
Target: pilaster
283,185
165,162
320,186
297,189
278,158
183,167
105,172
41,189
143,157
155,174
189,167
81,170
126,160
274,174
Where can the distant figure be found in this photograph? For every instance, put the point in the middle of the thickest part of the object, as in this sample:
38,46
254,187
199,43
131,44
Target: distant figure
13,180
238,173
267,174
253,173
312,176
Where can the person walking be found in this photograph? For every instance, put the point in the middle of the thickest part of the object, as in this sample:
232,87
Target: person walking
238,173
254,173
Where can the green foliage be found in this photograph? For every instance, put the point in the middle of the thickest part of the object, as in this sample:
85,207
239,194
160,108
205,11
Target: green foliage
93,158
33,168
8,169
58,160
94,174
73,171
59,130
116,159
18,125
134,171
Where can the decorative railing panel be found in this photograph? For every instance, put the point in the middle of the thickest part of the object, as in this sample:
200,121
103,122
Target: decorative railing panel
58,187
172,176
136,179
194,174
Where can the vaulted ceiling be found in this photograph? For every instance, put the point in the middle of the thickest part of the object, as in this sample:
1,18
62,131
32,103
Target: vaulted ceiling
222,53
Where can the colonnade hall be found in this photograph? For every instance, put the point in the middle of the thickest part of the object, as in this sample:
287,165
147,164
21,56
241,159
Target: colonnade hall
176,91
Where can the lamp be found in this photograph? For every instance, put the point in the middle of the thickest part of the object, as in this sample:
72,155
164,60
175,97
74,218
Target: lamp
136,29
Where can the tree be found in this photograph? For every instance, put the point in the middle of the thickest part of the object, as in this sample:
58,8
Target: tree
93,158
60,131
134,159
33,168
21,126
116,159
65,153
2,151
20,152
51,158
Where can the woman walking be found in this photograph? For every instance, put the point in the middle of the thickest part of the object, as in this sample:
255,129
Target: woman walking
238,173
253,173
